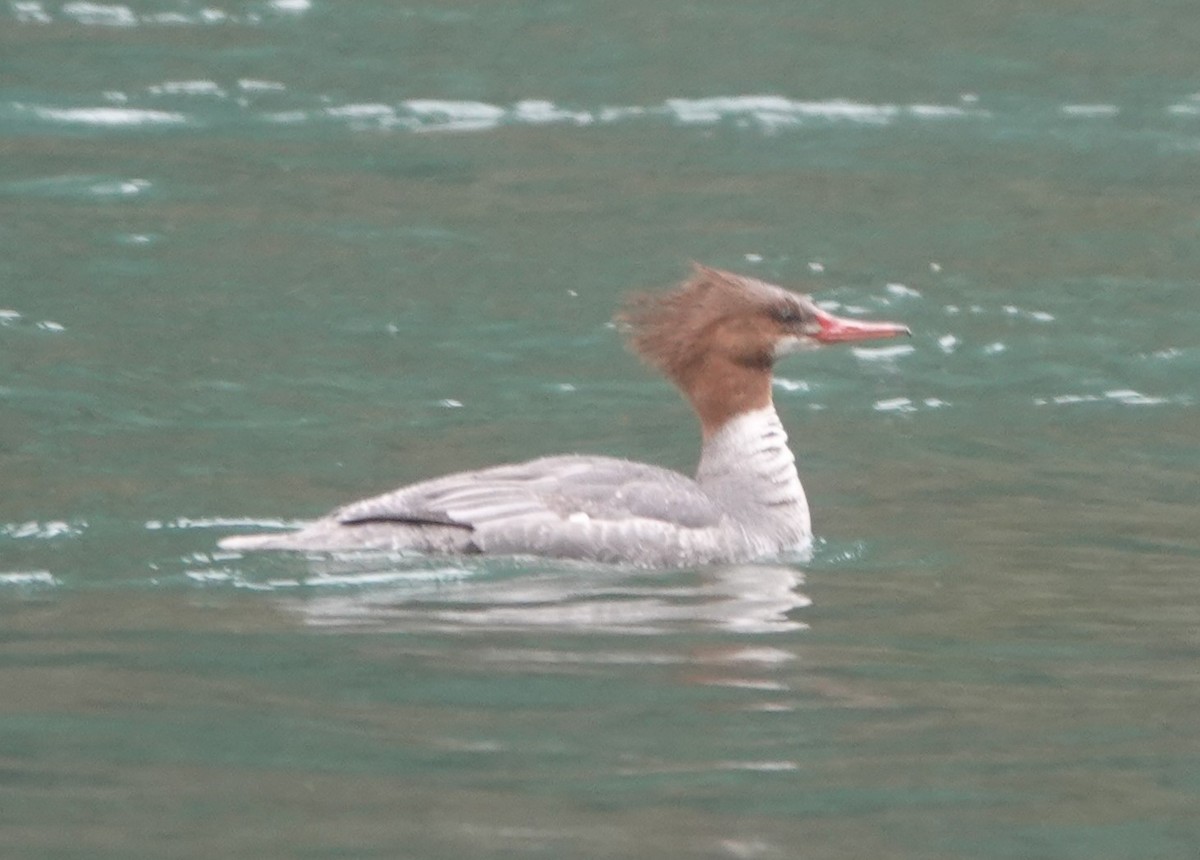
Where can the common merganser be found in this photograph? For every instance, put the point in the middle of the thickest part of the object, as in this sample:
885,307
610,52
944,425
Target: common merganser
716,337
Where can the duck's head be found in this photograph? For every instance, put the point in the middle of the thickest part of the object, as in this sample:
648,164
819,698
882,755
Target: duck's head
717,336
727,317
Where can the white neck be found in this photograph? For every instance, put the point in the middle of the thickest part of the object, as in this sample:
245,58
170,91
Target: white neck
748,467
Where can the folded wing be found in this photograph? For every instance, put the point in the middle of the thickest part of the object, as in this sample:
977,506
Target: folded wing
568,507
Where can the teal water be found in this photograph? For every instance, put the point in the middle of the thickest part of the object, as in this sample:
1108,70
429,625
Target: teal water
261,258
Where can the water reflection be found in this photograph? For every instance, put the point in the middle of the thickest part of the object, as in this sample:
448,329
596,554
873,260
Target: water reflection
741,598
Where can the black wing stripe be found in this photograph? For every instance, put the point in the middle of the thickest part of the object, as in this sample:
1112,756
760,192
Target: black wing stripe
408,520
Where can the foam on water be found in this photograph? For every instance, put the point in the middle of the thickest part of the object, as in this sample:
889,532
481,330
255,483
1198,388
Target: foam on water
536,112
895,404
39,530
1036,316
1123,396
107,15
361,111
117,15
110,116
948,343
252,85
766,113
15,320
791,385
1090,111
366,578
774,111
883,353
902,291
222,523
187,88
120,188
28,578
30,13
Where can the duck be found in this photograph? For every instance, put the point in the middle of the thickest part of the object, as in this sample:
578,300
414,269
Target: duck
717,337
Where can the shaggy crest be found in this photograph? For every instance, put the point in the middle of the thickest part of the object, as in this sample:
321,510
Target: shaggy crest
669,330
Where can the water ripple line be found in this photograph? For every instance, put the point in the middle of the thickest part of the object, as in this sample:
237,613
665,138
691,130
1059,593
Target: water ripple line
48,530
272,103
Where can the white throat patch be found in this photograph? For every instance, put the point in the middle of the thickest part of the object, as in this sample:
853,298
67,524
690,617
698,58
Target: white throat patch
794,343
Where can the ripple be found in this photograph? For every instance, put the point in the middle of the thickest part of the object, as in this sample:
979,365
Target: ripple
749,849
895,404
13,319
749,599
1123,396
36,530
28,578
120,188
777,111
1090,111
385,577
137,239
187,88
91,14
902,290
110,116
77,186
1036,316
252,85
100,14
222,523
361,111
791,385
534,112
834,554
1188,107
767,113
455,115
883,353
30,12
448,115
759,766
948,343
227,575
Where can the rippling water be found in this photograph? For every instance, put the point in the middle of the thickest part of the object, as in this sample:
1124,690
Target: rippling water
261,258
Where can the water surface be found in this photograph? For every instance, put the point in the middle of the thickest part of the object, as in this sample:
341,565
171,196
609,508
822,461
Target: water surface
262,258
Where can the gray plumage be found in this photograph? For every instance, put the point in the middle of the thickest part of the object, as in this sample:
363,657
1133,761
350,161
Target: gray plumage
746,502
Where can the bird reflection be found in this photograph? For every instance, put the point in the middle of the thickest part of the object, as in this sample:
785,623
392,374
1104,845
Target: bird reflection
747,598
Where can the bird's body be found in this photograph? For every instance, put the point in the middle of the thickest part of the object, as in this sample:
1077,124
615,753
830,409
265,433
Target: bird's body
717,337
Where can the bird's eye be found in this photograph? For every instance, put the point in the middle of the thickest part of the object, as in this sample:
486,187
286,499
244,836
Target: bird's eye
788,314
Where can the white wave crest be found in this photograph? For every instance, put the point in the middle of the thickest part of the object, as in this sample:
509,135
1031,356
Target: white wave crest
111,116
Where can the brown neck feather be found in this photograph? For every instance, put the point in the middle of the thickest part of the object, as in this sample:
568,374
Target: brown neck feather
720,389
711,339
